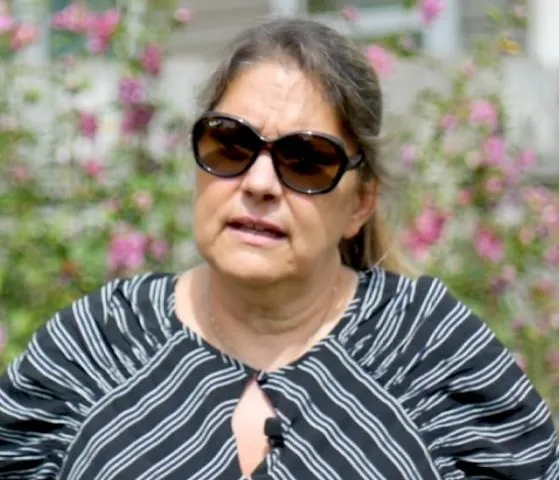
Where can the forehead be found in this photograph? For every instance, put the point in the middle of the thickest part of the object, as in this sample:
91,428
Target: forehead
277,98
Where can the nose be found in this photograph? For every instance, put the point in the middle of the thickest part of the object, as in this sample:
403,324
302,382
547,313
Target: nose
261,181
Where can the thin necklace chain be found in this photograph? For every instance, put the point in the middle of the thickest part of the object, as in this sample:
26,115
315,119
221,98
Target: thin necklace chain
225,343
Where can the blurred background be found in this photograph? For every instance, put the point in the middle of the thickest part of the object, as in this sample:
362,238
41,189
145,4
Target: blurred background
96,100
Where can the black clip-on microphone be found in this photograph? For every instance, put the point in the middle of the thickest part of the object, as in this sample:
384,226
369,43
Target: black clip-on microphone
274,432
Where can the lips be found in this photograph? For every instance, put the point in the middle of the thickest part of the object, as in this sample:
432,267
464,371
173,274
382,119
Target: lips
257,227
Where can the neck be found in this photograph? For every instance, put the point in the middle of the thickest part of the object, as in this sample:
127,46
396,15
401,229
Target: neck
277,322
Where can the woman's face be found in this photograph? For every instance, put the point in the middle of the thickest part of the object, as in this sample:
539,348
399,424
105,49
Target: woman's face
276,99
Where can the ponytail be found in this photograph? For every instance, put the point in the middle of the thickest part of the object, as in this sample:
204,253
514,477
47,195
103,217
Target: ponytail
374,245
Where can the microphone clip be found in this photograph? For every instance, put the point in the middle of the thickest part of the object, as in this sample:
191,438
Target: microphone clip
274,432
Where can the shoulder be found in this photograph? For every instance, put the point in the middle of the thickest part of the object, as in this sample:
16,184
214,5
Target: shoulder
77,358
407,306
107,335
73,361
475,409
415,328
142,294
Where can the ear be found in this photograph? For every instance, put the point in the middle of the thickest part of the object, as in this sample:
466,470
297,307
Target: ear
363,206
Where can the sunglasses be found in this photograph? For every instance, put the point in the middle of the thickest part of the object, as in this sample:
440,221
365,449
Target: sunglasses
307,162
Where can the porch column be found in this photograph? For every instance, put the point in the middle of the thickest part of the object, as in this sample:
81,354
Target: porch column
543,34
287,8
442,38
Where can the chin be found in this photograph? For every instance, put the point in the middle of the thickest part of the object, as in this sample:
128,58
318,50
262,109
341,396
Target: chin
250,267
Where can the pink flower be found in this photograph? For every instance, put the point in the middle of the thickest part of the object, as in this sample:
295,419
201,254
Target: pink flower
526,159
131,90
448,122
464,197
430,224
6,23
158,249
74,18
143,201
183,15
23,36
426,231
536,197
430,10
20,173
350,13
495,151
489,246
483,113
518,322
112,205
87,124
97,45
415,243
151,59
93,168
127,250
509,273
103,24
552,256
512,173
101,27
409,155
494,185
550,215
380,60
137,118
544,288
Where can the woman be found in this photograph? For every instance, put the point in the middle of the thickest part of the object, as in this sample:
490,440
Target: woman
298,349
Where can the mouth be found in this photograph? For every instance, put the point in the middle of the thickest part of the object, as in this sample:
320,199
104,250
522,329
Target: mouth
256,227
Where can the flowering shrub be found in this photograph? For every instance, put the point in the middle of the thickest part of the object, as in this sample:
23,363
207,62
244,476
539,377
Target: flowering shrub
80,203
474,214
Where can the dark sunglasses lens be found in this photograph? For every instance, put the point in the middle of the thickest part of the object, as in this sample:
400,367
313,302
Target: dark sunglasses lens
224,146
308,163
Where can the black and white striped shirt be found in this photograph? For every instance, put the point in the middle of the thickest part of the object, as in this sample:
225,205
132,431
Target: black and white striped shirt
409,385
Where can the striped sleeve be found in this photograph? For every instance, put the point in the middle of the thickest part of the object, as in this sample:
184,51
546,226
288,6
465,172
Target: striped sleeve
479,414
47,392
43,396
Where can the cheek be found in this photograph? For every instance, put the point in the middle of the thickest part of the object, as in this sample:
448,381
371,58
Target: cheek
210,197
320,221
336,216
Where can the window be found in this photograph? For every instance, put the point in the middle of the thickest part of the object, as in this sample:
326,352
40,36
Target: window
378,19
98,5
62,43
316,6
384,20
